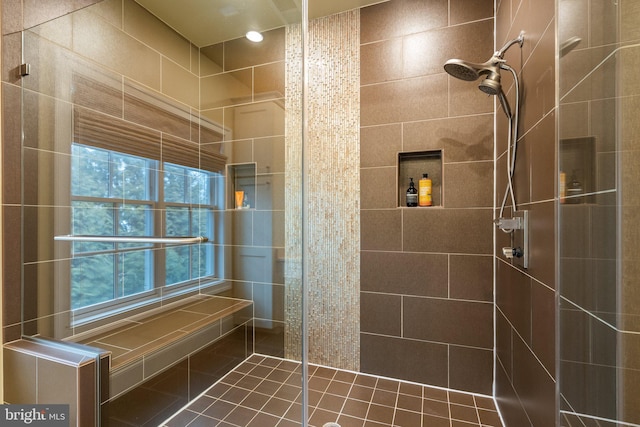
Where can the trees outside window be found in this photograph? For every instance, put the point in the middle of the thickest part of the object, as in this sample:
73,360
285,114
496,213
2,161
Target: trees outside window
116,194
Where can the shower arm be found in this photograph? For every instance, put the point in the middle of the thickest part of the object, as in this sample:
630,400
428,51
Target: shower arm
519,40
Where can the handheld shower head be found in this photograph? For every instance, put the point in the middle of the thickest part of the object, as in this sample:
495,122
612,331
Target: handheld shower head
491,85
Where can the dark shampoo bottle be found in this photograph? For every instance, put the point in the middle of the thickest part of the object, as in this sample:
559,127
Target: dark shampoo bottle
412,194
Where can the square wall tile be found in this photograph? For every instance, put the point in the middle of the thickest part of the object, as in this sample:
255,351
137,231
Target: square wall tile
380,313
448,321
464,11
381,229
470,369
461,139
404,100
468,185
379,145
381,61
404,273
401,17
58,383
268,80
513,298
96,39
429,230
378,188
471,277
241,53
141,24
404,359
20,382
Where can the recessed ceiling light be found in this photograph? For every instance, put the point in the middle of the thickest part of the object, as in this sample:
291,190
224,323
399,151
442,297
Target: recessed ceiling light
254,36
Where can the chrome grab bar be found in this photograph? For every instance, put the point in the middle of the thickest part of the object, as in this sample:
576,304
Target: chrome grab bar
132,239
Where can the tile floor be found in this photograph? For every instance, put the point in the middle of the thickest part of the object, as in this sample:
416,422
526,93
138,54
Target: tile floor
265,392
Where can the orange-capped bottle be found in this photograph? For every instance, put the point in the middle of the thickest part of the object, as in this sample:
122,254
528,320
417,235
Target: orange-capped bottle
424,191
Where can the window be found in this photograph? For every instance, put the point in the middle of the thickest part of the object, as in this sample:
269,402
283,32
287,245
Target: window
125,195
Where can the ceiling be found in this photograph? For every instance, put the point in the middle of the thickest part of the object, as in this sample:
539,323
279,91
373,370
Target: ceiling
206,22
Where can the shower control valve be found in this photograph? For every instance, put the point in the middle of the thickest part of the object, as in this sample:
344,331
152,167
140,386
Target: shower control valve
509,224
512,252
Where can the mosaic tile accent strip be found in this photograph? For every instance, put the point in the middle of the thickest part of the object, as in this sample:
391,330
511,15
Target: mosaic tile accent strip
333,188
293,193
266,392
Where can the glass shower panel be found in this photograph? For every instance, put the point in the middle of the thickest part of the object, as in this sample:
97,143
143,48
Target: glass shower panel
598,47
136,126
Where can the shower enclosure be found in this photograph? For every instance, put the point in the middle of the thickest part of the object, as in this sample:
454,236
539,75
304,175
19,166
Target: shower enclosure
162,189
598,153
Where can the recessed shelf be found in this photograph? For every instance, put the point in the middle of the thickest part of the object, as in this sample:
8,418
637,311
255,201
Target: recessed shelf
578,164
241,177
413,165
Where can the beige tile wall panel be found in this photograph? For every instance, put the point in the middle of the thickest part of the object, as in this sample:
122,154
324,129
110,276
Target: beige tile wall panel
142,25
333,185
98,40
59,31
179,83
226,89
110,11
293,194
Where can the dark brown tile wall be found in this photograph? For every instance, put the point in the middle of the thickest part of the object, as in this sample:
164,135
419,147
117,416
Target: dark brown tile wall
426,273
526,299
16,16
164,394
599,305
107,98
38,372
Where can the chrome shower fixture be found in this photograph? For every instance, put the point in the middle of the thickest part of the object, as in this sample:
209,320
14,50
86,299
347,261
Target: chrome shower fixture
491,85
569,44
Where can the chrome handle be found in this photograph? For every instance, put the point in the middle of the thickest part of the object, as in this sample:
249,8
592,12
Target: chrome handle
132,239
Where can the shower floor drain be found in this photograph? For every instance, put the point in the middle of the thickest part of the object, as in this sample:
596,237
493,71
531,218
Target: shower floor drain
331,425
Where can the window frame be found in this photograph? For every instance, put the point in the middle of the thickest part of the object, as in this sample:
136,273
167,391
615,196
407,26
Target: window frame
212,282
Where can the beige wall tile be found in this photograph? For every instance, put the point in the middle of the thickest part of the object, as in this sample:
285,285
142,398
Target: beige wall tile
255,120
268,81
58,383
179,83
110,11
212,59
405,100
241,53
58,31
20,383
468,185
227,89
461,139
100,41
145,27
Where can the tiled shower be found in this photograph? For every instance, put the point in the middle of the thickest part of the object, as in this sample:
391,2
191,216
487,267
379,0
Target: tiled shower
412,304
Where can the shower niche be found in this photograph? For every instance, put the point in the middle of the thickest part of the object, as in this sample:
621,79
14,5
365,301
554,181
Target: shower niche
578,165
241,186
413,165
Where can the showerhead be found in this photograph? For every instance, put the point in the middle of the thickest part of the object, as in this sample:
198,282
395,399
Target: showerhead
470,71
463,70
491,85
568,45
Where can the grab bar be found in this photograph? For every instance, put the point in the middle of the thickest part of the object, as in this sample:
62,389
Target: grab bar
132,239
